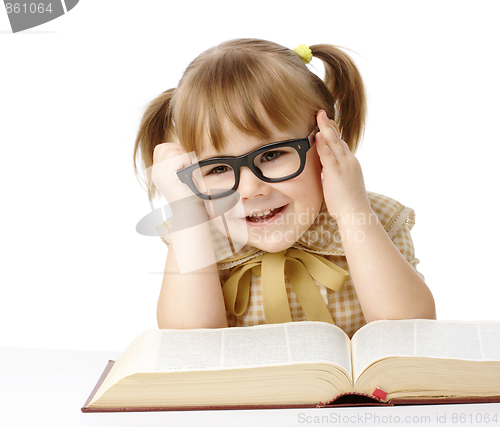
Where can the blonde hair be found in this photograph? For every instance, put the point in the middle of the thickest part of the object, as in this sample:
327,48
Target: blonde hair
247,83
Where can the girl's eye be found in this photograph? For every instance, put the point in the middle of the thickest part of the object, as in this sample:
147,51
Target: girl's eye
271,155
219,169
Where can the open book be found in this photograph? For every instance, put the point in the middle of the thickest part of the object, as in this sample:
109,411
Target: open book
304,364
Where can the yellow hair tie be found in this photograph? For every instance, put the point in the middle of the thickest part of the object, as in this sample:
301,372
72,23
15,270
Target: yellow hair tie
304,52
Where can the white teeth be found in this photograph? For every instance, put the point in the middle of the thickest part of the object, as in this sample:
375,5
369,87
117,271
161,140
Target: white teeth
261,214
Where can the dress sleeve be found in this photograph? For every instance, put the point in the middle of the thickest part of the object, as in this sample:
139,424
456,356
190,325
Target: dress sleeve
403,241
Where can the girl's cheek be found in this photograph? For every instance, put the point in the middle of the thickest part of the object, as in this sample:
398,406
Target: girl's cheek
313,171
313,161
236,232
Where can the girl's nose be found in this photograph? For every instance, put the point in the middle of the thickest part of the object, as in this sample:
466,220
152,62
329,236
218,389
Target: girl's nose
251,186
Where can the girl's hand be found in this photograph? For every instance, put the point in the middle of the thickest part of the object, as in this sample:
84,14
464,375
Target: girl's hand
343,183
168,158
188,210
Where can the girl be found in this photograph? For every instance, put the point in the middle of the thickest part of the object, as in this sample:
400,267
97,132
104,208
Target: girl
316,245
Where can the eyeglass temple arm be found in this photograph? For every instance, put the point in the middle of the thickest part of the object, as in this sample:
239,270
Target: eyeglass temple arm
312,135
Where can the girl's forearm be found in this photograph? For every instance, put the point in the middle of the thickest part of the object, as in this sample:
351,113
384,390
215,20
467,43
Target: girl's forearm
193,298
388,287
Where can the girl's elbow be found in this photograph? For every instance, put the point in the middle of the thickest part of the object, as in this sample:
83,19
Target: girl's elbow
431,312
428,307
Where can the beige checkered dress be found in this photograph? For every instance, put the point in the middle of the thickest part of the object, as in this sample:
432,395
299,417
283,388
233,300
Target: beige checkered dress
344,306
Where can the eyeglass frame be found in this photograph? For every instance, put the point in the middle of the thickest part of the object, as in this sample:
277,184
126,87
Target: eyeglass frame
301,145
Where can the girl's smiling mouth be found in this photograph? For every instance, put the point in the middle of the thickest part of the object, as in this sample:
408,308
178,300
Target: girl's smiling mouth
265,217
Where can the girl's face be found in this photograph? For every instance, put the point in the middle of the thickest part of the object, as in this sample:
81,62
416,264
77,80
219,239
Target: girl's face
293,204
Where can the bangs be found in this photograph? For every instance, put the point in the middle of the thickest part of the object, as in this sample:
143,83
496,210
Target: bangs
245,89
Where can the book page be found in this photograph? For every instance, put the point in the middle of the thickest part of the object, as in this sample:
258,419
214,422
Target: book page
189,349
295,342
128,363
489,333
425,338
319,341
263,345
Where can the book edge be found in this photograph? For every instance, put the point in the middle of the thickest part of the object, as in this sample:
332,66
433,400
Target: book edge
330,404
101,379
201,408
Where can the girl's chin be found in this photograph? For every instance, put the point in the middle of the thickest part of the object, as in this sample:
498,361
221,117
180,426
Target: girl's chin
267,242
270,246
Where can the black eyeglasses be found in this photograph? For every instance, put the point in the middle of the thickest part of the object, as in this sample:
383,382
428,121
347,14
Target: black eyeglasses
220,176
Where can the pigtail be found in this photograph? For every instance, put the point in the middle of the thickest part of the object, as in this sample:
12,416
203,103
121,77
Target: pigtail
156,128
345,91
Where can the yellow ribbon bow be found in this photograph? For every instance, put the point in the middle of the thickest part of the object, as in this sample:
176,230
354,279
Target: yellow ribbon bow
301,267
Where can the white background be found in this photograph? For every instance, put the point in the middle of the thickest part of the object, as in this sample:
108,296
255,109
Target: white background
74,273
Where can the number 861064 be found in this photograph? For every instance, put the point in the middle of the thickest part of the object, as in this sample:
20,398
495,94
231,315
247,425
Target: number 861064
28,8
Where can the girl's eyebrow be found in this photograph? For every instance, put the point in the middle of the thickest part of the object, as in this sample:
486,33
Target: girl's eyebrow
219,154
211,156
215,156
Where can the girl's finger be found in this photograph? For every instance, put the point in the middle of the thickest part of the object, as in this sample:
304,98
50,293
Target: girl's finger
330,131
345,147
167,150
326,154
